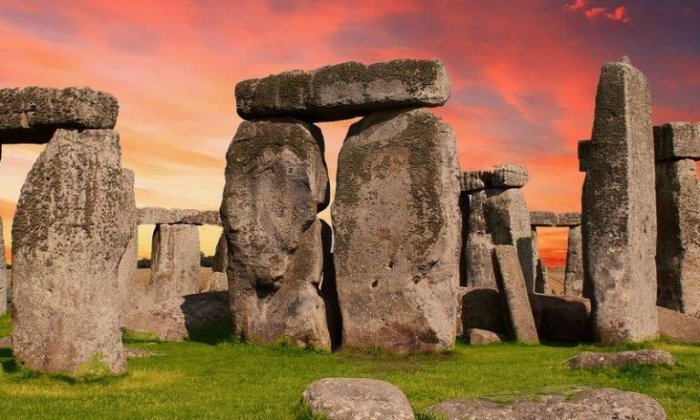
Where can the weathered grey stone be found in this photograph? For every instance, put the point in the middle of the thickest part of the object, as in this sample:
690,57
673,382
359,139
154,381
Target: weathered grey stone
585,148
678,326
581,404
276,181
215,281
398,232
480,308
356,399
482,337
619,212
573,275
472,181
552,219
126,270
159,215
74,219
4,278
541,280
561,319
514,293
508,221
221,255
175,261
508,176
344,90
569,219
678,239
537,279
478,248
677,140
593,360
32,115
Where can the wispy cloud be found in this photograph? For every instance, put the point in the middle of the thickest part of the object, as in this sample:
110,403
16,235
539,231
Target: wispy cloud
619,14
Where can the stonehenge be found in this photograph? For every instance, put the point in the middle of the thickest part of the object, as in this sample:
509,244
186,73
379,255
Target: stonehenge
619,213
4,278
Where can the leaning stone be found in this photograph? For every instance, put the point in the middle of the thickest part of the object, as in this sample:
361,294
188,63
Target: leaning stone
344,90
508,221
4,278
158,215
478,247
619,210
74,219
678,326
356,399
678,239
33,114
573,274
276,181
593,360
221,255
677,140
398,233
514,293
482,337
509,176
583,403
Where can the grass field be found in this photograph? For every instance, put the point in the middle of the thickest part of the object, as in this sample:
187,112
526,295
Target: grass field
236,380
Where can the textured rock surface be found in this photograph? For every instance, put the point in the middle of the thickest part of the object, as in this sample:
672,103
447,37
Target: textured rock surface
513,291
344,90
508,221
4,278
541,280
276,181
677,140
585,148
584,403
221,255
478,244
356,399
678,326
480,308
482,337
561,319
472,181
33,114
592,359
175,261
678,239
127,265
573,274
619,212
398,233
159,215
73,222
552,219
508,176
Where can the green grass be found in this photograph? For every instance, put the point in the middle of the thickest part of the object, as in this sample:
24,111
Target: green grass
237,380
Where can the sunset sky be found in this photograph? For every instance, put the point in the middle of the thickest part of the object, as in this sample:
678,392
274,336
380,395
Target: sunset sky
524,75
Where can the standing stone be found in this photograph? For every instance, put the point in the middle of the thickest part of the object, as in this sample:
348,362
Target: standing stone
3,273
398,233
73,222
127,264
221,255
538,280
619,214
276,182
678,241
573,275
175,261
478,248
541,280
508,220
514,294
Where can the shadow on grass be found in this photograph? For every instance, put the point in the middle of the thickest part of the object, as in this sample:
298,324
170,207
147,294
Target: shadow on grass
212,333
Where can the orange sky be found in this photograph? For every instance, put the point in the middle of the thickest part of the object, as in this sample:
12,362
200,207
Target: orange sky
524,77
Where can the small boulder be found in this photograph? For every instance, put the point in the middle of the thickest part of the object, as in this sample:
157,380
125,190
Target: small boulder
592,360
356,399
481,337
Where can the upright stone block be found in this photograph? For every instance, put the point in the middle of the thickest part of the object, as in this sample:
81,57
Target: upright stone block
514,293
127,264
619,212
541,280
677,140
678,240
573,275
535,260
508,221
175,261
221,255
398,232
3,273
276,182
478,249
74,219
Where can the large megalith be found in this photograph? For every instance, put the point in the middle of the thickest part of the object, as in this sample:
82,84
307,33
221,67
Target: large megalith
478,244
619,211
175,261
3,273
127,264
573,274
74,219
398,232
276,182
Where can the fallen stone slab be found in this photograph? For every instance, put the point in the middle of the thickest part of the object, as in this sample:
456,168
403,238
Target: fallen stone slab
552,219
677,140
159,215
619,209
582,404
32,115
592,360
678,326
513,291
343,91
482,337
356,399
398,233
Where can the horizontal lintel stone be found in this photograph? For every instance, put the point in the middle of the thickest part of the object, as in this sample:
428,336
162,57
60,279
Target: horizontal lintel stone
158,216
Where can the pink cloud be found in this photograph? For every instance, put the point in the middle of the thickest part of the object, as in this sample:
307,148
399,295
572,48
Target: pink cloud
619,14
576,5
